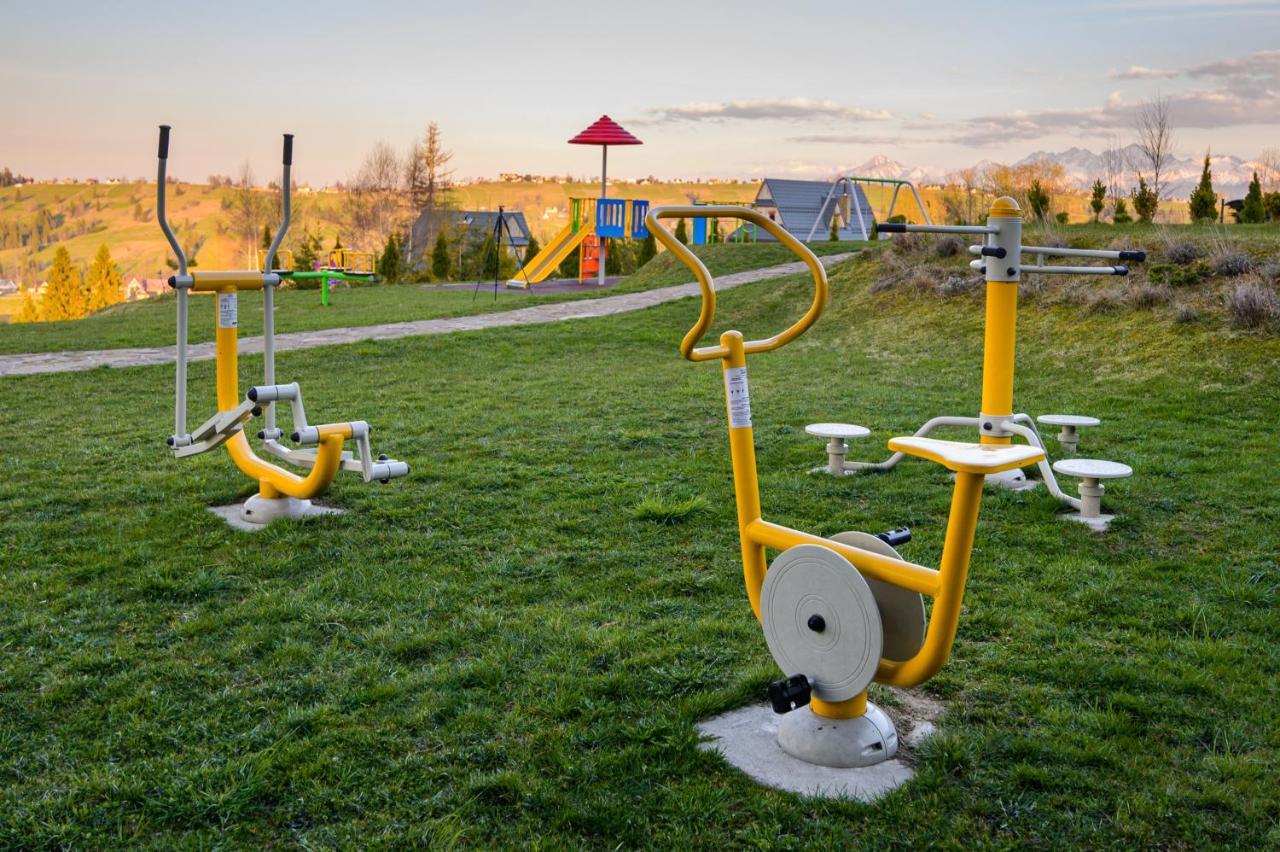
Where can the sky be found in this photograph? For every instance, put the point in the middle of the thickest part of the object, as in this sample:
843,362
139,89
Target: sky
713,89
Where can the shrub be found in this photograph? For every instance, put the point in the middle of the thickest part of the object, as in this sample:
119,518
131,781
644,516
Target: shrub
959,285
924,280
1148,296
1229,263
1182,252
1105,302
949,246
1252,305
1062,217
1270,272
1179,276
1185,314
906,243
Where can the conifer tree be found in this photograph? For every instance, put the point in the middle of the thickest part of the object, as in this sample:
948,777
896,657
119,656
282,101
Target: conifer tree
648,250
834,235
1121,215
682,235
64,298
1145,201
389,265
1098,199
266,237
441,259
29,311
1204,201
104,285
1253,212
1039,200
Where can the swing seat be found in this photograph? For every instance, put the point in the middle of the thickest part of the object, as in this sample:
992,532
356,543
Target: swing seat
965,457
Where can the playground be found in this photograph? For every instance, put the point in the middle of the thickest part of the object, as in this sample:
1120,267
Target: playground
613,430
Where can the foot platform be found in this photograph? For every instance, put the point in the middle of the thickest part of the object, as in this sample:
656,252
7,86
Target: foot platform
1069,437
1091,473
837,435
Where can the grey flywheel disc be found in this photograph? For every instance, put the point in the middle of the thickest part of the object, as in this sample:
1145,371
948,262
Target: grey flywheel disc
901,610
821,620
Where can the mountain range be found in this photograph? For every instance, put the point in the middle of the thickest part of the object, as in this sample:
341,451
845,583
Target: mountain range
1231,174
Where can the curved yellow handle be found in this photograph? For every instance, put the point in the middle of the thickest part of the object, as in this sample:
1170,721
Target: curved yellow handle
707,284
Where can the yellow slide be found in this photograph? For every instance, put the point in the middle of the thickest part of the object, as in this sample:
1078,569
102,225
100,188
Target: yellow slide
552,255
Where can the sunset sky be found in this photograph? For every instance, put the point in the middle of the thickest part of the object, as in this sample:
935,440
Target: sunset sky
713,89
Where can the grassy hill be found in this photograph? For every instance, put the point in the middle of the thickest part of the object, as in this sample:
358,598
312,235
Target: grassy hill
511,648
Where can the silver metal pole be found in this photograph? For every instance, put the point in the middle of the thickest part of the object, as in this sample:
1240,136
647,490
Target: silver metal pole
269,288
604,166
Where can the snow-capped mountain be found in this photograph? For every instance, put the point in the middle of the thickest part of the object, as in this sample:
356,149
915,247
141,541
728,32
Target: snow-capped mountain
1231,174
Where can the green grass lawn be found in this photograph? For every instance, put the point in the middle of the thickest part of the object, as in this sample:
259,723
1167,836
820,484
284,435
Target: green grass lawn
151,322
512,647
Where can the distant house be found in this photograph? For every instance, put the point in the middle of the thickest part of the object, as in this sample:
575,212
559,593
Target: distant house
144,288
474,226
8,287
798,204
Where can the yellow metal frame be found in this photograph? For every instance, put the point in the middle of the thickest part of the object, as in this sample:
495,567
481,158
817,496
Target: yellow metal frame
284,260
353,262
273,481
945,585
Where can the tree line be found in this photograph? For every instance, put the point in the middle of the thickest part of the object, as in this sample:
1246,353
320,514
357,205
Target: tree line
73,292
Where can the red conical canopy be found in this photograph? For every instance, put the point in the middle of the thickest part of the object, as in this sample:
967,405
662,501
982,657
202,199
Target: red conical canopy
605,131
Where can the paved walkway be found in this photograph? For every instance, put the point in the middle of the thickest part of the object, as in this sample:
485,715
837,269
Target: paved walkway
65,362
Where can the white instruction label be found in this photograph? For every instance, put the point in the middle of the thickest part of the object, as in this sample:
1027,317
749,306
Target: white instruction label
735,389
227,310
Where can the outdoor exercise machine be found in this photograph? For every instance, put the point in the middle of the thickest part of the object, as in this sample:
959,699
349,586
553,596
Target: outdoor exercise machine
837,613
341,265
1000,259
847,203
280,492
590,219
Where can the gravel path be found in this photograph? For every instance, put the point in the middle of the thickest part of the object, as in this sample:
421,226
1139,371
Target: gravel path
64,362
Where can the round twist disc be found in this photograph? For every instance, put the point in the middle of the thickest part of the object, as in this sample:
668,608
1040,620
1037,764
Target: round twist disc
821,620
901,610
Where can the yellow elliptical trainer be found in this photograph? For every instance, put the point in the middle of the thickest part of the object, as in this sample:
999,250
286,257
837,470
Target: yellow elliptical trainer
840,612
1000,260
280,492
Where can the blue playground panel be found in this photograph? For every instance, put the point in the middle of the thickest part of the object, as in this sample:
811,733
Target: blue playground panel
639,209
611,217
699,232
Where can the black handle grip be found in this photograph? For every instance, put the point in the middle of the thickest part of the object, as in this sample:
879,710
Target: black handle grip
288,149
892,227
1135,256
789,694
993,251
1119,270
897,537
164,142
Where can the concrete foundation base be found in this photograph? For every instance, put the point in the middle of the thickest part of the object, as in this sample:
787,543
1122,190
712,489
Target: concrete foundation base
1101,523
234,514
748,739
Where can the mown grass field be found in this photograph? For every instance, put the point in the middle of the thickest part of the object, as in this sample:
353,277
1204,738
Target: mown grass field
505,650
151,322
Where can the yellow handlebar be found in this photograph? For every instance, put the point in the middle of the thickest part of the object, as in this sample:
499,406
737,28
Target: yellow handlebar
707,285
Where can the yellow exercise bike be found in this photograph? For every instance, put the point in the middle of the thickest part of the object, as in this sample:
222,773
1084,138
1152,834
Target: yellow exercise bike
837,613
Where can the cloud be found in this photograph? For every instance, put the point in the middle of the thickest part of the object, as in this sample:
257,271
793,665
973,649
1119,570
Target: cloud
764,109
1245,90
848,139
1141,72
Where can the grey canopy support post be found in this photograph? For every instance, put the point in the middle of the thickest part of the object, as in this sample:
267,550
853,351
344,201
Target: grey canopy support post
180,283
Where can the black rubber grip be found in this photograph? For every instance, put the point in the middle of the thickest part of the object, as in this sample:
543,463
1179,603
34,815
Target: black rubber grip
252,394
1135,256
164,142
892,227
288,149
1120,270
993,251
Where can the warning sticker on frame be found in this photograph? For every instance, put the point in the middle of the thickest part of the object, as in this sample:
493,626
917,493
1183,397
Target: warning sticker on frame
735,388
227,310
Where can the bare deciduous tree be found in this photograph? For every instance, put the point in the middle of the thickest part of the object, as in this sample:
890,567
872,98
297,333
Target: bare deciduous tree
429,180
374,202
1114,164
1269,170
1155,140
248,210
